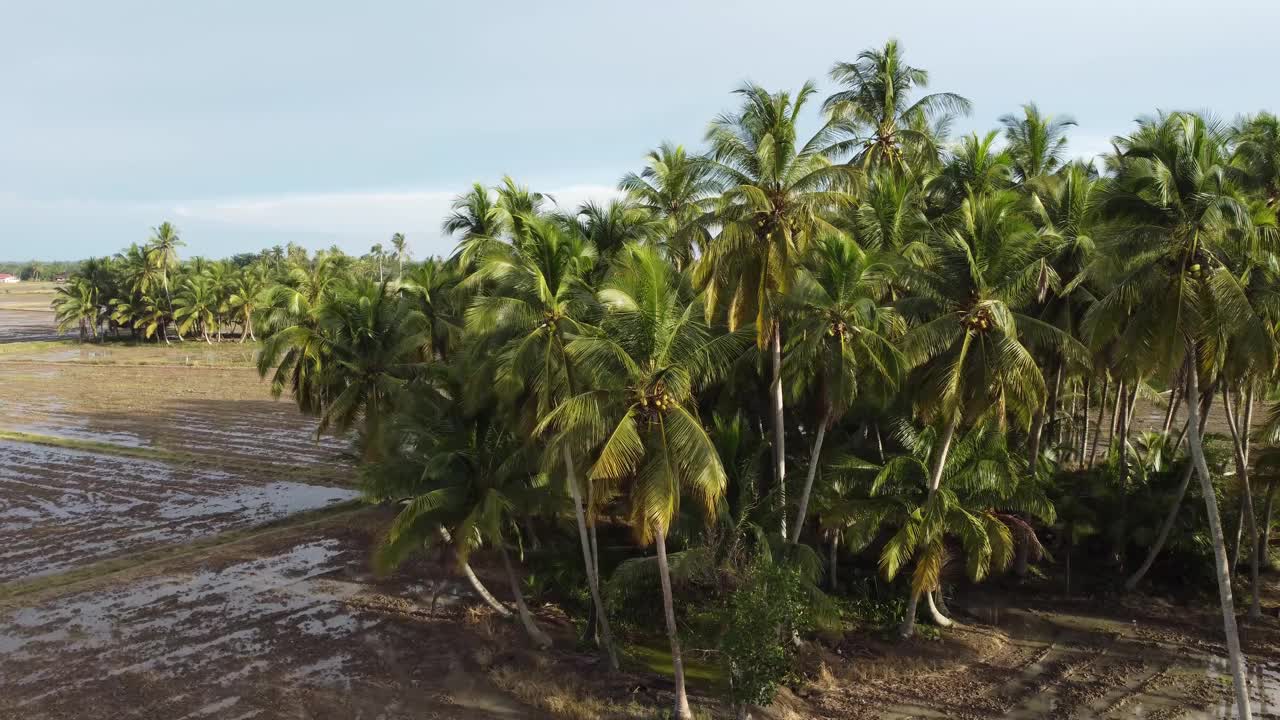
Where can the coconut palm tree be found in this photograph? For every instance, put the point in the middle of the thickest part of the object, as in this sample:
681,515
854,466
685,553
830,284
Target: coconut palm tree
1174,194
431,287
842,336
535,302
247,296
637,406
76,303
401,247
196,306
1257,155
378,254
352,364
614,224
883,124
675,188
455,470
972,347
986,488
1036,142
775,197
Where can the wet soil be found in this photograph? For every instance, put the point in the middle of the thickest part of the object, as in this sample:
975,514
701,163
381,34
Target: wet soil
62,508
286,626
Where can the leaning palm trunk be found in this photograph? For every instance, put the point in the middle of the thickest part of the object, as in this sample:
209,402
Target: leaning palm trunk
808,481
779,431
535,633
1044,419
1084,424
1240,443
593,579
1172,516
682,710
935,481
1234,657
938,618
476,584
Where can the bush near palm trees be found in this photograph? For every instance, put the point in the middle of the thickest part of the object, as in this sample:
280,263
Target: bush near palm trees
955,332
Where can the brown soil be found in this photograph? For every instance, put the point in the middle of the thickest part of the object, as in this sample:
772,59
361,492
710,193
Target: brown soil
287,625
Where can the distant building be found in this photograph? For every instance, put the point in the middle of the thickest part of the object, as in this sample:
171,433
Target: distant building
7,278
60,278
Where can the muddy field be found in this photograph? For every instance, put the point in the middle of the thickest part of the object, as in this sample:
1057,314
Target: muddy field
221,412
62,508
290,625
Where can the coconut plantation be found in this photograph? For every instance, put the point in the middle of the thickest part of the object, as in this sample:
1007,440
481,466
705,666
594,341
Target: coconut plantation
833,410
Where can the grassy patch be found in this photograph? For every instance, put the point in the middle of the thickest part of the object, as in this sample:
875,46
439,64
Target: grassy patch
655,657
562,695
252,468
35,346
61,582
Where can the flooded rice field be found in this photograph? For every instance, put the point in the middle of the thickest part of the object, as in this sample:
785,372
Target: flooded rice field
220,412
293,627
24,325
61,508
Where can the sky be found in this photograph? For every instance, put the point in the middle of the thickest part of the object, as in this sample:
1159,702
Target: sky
251,123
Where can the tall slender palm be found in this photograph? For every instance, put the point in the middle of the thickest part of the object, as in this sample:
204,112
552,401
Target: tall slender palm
842,336
676,188
638,407
884,124
378,254
1174,194
775,195
536,302
1037,142
401,248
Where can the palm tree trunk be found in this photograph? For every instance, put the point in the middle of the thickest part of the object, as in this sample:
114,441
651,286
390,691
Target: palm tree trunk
1172,412
1247,524
531,628
779,431
813,471
1264,533
833,573
1102,409
1116,414
1045,417
476,584
1084,423
682,710
938,618
593,580
935,481
1234,657
1172,516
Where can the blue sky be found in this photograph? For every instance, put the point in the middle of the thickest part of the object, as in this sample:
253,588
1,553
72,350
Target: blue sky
250,124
